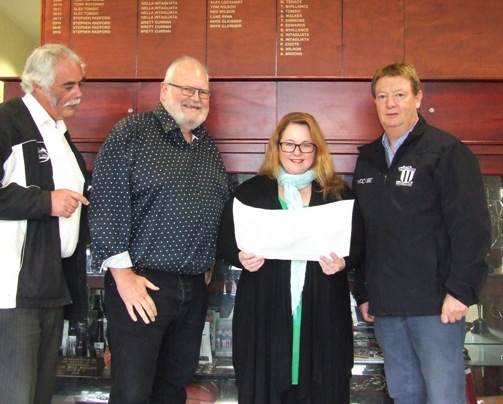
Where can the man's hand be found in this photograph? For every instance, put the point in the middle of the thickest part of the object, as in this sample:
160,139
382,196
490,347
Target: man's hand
452,310
132,289
64,202
364,309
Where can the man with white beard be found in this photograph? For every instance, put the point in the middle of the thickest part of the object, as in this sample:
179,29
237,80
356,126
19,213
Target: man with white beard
42,224
159,187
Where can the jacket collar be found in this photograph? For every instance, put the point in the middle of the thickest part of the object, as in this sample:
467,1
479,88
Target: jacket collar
375,149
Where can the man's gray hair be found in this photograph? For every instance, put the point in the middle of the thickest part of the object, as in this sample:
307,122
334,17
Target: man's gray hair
184,59
39,68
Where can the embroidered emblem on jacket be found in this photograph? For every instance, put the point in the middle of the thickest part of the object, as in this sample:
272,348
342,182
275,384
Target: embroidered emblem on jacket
43,155
407,173
362,181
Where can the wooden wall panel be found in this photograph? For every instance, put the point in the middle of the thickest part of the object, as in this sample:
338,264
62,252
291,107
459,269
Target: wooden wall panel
103,105
472,111
243,115
56,24
149,94
104,35
242,163
241,38
12,89
373,36
309,38
167,30
454,39
242,110
238,110
344,110
241,119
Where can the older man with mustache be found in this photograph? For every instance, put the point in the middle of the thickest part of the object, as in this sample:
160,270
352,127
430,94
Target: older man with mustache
159,187
42,230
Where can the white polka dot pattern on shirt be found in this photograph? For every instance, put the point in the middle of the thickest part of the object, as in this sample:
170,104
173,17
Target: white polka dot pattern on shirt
156,196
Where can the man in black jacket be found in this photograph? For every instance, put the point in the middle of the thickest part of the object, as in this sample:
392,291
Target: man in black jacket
427,234
42,234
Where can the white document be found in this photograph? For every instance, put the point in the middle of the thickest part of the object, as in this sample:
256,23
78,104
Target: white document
303,234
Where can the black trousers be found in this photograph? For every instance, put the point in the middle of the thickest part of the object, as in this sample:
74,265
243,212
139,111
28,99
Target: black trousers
152,363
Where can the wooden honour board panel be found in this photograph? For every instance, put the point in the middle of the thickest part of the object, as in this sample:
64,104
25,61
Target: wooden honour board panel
373,35
102,32
241,38
454,39
56,21
124,39
309,38
167,30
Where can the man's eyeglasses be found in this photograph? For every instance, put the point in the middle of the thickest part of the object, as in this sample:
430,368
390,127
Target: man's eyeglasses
189,91
289,147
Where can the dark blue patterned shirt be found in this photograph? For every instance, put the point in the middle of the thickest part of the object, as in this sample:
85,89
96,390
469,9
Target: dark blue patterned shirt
155,197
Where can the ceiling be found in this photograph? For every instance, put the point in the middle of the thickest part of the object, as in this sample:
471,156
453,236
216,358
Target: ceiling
24,13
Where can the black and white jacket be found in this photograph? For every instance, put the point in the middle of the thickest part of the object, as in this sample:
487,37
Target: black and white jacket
33,273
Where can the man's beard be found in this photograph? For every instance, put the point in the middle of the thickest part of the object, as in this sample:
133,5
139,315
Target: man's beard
178,115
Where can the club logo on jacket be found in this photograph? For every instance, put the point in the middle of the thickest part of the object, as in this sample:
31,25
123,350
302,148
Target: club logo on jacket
406,176
43,154
363,181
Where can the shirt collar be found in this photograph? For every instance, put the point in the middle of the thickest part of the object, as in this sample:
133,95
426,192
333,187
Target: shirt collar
387,146
40,115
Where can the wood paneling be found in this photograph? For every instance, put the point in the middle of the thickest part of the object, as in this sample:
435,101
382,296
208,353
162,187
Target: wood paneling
242,110
309,38
103,105
344,110
167,30
242,41
106,40
470,110
373,35
243,115
454,39
56,21
12,89
149,94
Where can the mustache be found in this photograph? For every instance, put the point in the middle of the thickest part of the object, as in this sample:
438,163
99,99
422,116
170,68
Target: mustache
75,101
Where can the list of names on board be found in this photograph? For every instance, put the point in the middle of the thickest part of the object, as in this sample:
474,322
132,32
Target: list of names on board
156,17
222,14
168,29
105,36
241,38
87,18
235,38
309,38
293,30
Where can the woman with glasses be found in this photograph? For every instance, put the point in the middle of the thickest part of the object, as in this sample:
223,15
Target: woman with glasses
292,328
